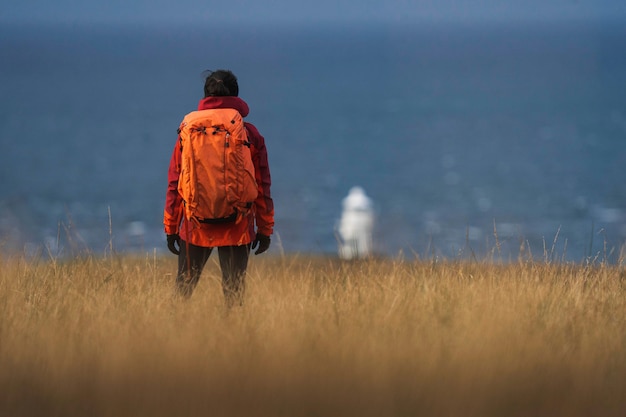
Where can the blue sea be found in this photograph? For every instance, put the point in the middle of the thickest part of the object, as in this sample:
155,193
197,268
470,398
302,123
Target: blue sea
486,141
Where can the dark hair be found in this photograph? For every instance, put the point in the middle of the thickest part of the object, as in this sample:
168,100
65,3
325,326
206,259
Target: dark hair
220,83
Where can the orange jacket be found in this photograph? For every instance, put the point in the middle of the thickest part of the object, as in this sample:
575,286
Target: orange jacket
229,234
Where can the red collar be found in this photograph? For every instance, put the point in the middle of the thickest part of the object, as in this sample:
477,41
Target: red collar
229,102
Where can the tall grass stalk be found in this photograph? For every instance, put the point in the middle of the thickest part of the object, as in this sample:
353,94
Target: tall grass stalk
316,337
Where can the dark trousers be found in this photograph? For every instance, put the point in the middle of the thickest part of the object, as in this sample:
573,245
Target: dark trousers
233,262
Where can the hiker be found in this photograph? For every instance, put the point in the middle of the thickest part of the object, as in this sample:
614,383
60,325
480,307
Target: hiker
193,238
355,225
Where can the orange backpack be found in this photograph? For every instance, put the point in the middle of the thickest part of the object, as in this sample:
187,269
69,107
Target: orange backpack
217,181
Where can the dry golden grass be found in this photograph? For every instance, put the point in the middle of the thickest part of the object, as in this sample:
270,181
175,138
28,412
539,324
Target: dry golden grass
316,337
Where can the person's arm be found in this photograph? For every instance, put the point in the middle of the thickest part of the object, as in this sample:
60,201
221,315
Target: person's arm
173,212
264,205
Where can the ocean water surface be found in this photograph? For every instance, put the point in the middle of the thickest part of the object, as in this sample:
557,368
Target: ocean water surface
471,140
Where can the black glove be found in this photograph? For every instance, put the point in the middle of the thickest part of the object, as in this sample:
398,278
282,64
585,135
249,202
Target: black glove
262,241
172,242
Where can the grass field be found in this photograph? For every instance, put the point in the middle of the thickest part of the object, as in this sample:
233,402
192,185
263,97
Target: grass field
316,337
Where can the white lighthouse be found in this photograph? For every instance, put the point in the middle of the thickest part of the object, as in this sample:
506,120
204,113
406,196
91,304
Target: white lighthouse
355,226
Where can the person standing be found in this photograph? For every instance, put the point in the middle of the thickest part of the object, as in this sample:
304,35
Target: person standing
192,240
